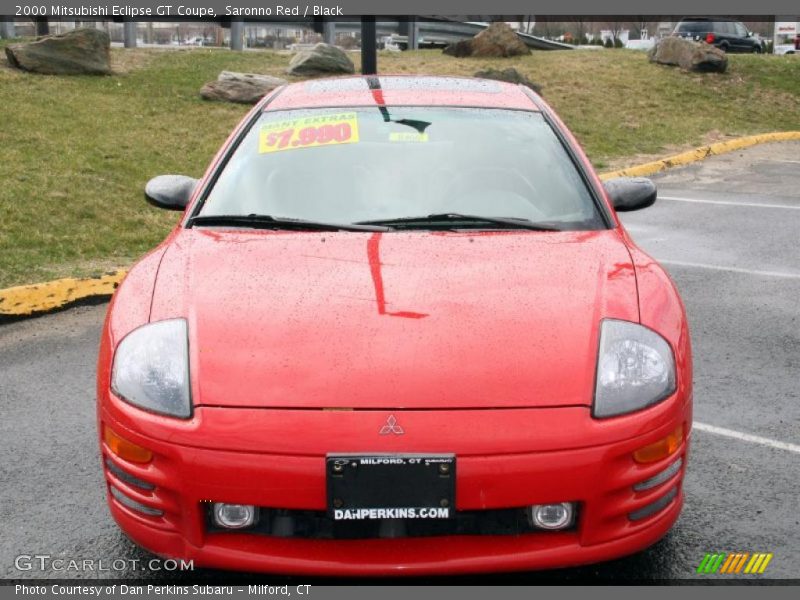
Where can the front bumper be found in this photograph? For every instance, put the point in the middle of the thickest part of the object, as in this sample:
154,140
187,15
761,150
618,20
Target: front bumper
506,459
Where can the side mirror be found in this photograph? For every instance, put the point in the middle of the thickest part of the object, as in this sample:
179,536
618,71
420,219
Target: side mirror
172,192
630,193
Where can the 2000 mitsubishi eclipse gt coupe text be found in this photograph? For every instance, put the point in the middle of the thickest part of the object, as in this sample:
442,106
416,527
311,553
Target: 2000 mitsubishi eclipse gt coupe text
398,330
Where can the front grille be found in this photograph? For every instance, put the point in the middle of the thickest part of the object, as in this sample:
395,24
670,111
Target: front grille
311,524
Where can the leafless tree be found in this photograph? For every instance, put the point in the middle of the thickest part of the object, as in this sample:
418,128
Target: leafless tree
579,27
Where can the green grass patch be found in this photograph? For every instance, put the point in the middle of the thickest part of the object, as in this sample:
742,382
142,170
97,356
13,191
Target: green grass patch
75,152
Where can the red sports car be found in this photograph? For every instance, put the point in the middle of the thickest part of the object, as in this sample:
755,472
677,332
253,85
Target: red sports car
399,329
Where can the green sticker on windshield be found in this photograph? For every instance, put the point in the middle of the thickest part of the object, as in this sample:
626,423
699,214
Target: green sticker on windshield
408,136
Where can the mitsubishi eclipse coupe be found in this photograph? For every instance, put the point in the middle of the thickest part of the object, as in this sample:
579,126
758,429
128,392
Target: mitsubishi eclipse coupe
399,329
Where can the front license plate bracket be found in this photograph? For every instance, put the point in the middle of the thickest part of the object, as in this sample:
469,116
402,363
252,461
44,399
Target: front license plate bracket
390,486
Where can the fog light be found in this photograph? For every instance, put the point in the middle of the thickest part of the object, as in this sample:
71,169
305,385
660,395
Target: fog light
234,516
552,516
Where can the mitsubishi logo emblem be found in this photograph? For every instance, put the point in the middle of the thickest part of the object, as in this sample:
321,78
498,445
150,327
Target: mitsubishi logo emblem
391,426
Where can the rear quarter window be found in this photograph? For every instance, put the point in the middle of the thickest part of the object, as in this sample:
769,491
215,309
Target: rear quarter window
693,27
724,28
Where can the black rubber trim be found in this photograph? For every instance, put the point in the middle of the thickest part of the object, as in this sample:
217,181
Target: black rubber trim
596,194
212,180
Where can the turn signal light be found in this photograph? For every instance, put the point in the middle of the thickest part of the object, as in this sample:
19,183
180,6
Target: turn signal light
660,449
125,449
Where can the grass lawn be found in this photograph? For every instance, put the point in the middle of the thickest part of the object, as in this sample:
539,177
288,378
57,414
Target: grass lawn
75,152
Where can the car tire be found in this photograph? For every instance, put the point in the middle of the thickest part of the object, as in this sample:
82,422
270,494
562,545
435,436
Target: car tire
756,50
724,48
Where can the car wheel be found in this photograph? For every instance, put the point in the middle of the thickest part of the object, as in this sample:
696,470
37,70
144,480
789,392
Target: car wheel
724,48
756,50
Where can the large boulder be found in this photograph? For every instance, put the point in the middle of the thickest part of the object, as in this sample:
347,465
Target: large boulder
77,52
496,41
460,49
689,55
509,75
242,88
322,58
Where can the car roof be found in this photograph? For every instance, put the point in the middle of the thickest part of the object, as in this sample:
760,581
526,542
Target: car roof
401,90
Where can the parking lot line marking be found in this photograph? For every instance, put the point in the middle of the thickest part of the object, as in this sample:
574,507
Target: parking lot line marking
681,263
746,437
728,203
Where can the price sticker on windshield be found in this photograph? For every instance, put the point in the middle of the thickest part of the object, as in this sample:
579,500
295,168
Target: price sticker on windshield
308,132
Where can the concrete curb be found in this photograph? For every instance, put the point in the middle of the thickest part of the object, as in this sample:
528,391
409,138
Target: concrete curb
690,156
42,298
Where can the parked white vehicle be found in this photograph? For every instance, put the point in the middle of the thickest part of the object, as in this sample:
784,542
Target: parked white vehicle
640,44
787,37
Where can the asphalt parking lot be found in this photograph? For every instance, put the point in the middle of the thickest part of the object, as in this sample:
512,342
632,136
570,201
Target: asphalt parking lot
727,229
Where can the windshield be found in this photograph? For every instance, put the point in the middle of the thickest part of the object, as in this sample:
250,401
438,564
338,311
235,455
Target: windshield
371,164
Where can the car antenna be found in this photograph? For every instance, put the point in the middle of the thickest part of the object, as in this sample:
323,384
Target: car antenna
374,84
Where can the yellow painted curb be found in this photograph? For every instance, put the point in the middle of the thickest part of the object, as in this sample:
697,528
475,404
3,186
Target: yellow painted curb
28,300
700,153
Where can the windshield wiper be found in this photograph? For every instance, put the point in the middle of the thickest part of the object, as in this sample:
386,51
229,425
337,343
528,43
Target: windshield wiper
450,218
270,222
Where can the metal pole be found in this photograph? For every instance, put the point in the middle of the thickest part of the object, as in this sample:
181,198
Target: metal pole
7,29
42,26
413,34
369,45
329,32
129,33
237,35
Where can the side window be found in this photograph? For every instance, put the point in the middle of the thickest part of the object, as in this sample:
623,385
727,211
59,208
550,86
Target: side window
740,30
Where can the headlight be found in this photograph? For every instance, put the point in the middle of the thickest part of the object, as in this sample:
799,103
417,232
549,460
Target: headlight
635,369
151,368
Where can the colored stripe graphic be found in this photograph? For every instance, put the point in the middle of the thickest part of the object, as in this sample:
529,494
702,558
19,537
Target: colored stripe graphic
728,563
710,563
741,561
734,562
717,563
764,564
701,568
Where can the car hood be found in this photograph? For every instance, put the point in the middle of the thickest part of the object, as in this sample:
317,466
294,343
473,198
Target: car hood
396,320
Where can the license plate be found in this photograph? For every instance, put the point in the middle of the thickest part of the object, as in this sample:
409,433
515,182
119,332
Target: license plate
391,486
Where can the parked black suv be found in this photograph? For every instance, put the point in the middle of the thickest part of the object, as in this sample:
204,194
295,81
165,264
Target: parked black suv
725,34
